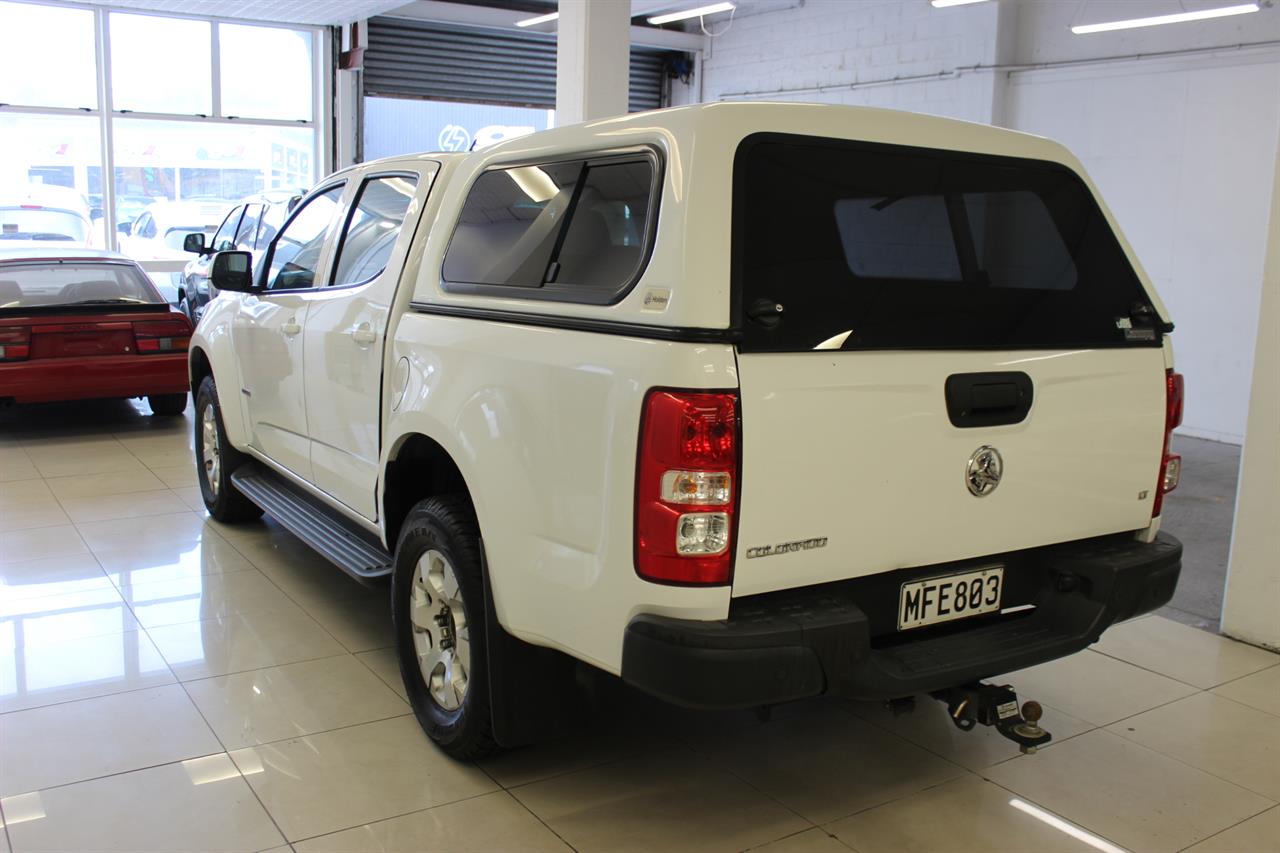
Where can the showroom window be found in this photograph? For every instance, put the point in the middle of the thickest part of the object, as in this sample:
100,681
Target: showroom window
189,117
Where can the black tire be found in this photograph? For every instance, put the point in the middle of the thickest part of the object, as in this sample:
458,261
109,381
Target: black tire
447,525
221,498
168,405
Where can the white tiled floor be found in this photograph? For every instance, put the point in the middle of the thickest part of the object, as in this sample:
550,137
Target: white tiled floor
170,684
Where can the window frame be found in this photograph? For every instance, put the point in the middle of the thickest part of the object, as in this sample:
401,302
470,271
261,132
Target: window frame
420,179
580,294
261,288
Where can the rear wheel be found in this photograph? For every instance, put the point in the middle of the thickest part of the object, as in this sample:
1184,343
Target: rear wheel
437,596
168,405
216,459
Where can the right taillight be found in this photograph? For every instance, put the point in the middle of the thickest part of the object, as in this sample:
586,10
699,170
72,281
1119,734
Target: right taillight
15,344
165,336
1170,463
687,487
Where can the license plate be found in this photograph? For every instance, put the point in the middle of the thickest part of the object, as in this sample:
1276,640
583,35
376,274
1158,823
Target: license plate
957,596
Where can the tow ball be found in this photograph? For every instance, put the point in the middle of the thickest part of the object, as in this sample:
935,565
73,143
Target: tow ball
991,705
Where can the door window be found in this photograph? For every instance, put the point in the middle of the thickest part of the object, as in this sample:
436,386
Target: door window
295,255
372,227
273,217
248,227
222,239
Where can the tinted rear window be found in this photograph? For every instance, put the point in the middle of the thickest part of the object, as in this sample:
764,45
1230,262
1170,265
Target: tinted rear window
878,247
571,231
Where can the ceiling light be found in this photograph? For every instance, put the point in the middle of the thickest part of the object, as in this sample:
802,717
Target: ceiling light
942,4
1175,18
671,17
541,19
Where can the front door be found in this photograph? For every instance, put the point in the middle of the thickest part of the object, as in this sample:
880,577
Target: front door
345,335
268,333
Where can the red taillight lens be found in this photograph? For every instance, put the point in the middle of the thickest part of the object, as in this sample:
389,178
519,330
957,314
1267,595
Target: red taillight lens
1170,463
166,336
687,487
15,344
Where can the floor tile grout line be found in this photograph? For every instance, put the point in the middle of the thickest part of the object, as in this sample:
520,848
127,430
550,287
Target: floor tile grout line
395,816
87,698
1188,683
1246,675
99,778
4,824
723,768
526,807
1228,828
1184,763
239,772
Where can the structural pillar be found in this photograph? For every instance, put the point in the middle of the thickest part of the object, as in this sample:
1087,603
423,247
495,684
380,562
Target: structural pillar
593,59
1251,611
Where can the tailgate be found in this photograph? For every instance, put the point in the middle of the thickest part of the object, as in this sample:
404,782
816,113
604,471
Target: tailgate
851,465
869,278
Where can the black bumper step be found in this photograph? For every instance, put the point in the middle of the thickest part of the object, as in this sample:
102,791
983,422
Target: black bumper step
806,642
338,540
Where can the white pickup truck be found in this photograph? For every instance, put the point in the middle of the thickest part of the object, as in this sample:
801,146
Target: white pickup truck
741,403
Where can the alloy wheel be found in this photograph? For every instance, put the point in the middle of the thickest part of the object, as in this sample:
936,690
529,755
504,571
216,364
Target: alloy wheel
441,635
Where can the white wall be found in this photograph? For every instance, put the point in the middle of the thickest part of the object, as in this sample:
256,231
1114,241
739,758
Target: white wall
1253,578
1183,152
1181,147
850,52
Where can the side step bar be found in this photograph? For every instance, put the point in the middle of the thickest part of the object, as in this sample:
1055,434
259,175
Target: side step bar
336,539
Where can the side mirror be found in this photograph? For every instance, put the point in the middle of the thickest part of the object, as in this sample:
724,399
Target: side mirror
194,243
232,271
123,227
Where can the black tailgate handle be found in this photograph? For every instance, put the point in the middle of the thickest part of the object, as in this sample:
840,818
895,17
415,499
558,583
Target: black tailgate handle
988,399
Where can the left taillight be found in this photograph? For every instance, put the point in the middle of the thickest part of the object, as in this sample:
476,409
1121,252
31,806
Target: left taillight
165,336
15,343
687,487
1170,463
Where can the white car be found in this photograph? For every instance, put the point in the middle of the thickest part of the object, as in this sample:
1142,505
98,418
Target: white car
44,216
741,403
159,231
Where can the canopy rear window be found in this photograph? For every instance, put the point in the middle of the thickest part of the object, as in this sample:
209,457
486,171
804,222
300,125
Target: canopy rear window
869,246
57,283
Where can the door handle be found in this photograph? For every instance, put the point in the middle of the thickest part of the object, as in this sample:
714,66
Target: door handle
363,335
291,328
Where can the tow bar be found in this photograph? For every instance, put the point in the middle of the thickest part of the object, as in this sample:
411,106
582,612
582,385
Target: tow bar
990,705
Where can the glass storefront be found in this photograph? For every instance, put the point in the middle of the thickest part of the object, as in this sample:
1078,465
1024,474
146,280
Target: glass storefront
181,151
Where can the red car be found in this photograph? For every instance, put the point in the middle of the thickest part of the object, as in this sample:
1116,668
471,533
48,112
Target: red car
86,324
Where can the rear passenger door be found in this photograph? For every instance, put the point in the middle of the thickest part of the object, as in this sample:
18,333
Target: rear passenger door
345,334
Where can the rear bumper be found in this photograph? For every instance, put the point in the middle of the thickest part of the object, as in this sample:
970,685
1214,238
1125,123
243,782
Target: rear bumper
785,646
56,379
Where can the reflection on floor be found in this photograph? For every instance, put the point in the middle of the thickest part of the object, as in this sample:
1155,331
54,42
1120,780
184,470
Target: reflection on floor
167,683
1199,513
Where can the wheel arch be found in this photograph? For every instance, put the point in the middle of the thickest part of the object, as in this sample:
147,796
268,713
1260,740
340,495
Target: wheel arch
417,467
198,367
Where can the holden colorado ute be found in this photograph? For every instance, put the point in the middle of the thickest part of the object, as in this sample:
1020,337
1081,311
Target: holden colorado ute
741,403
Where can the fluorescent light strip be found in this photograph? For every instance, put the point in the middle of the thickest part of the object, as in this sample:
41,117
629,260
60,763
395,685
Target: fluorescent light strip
541,19
1064,827
692,13
942,4
1176,18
